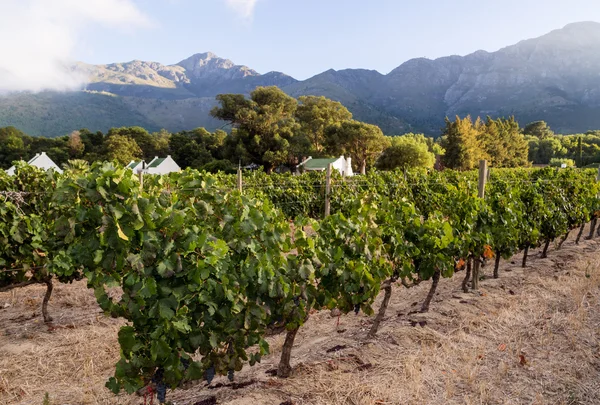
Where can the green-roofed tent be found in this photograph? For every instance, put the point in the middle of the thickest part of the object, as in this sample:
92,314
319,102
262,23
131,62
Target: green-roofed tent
135,164
156,166
341,164
156,162
318,164
162,166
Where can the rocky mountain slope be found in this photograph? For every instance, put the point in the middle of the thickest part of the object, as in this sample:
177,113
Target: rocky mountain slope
555,77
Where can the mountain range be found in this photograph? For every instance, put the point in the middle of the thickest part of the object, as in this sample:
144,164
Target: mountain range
555,78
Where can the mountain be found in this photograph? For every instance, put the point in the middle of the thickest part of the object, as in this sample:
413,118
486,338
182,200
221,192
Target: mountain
555,77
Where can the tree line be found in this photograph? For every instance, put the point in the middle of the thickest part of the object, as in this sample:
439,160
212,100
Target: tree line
277,131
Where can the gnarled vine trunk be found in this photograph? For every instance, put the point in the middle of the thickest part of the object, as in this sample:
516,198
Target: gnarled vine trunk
475,278
49,288
562,241
467,276
545,251
525,253
434,284
387,288
580,234
497,265
592,229
285,369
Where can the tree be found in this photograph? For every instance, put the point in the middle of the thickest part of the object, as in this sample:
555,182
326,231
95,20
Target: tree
503,142
196,148
75,145
432,145
363,142
12,146
58,154
315,114
93,145
539,129
405,152
161,142
541,151
265,124
142,138
462,143
580,151
558,162
122,149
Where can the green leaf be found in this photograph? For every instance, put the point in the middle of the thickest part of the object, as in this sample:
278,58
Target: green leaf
195,371
159,350
214,340
126,340
165,310
120,232
182,326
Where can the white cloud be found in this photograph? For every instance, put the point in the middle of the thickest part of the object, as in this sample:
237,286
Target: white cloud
37,38
245,8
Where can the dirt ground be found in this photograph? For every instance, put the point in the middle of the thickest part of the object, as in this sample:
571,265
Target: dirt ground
530,337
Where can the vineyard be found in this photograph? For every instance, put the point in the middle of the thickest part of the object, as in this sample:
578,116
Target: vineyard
205,273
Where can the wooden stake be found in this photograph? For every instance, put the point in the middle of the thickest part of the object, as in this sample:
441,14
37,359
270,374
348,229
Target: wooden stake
328,191
483,169
141,176
481,194
239,179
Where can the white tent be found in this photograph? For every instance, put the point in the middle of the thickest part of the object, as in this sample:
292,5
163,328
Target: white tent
156,166
40,160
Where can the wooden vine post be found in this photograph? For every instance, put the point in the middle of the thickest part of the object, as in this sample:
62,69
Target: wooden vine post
239,179
328,191
481,194
141,177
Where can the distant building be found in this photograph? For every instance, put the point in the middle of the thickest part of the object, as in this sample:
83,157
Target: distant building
40,160
156,166
341,164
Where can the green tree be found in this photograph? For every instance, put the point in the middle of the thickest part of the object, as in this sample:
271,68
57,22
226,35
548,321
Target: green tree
122,149
405,152
541,151
93,145
558,162
315,114
433,146
363,142
161,142
461,140
265,124
539,129
12,146
504,143
142,138
58,154
197,148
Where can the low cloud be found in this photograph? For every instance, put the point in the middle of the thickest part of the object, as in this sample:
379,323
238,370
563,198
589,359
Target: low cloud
39,36
244,8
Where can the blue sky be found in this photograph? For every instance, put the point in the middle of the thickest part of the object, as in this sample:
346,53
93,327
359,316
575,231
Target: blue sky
303,38
299,37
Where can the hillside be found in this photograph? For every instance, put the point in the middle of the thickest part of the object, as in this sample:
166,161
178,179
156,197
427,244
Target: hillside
553,77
